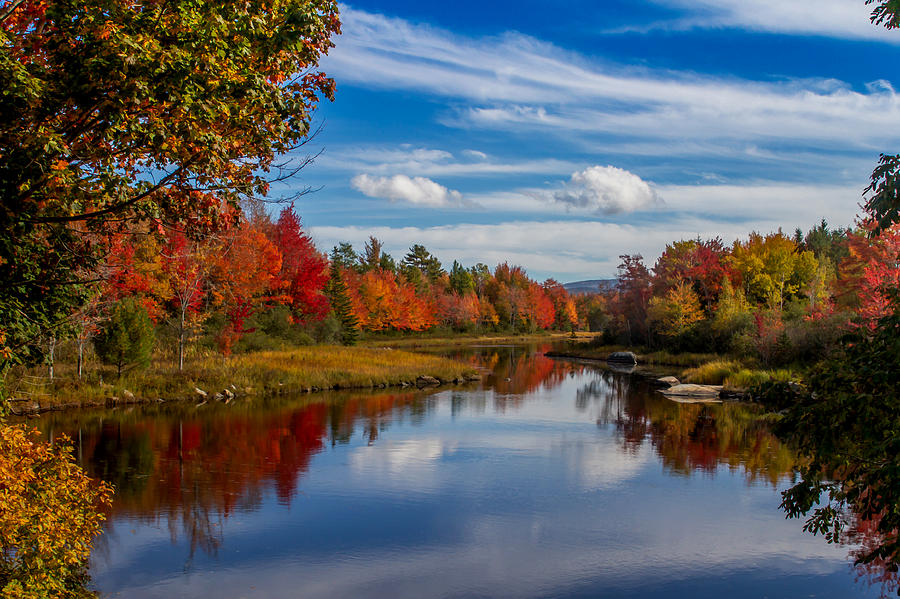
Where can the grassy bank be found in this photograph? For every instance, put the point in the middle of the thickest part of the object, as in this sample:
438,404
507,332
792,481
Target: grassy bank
734,374
262,373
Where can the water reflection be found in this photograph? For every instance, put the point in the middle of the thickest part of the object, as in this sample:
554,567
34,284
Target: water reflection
688,437
540,481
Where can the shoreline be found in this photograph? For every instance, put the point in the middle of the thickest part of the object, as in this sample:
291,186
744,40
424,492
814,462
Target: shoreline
301,370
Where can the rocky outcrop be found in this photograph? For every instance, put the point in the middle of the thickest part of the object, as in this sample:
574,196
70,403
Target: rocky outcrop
667,381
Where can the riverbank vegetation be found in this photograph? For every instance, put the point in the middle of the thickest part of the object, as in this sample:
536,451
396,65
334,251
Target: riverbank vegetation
767,307
259,373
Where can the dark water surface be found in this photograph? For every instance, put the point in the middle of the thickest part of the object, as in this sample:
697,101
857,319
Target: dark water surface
548,479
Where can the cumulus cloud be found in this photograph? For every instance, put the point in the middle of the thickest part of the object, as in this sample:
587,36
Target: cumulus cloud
419,191
607,190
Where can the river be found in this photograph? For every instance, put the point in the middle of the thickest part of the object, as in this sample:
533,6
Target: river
549,478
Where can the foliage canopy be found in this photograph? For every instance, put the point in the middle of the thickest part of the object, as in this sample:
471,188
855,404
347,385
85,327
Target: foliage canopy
170,112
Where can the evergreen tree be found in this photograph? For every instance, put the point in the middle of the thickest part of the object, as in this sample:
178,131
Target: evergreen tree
126,338
345,256
461,280
423,260
340,303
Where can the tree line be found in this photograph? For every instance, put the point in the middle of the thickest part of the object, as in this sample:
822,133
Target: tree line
774,297
263,283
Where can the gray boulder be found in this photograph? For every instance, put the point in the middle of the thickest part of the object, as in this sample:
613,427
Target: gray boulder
622,357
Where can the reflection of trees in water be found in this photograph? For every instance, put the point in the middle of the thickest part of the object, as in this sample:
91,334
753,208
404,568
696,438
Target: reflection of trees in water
866,537
514,374
688,437
190,468
193,467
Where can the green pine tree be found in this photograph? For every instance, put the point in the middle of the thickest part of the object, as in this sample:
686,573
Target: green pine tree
340,304
126,338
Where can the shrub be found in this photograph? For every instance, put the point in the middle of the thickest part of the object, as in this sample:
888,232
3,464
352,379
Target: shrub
48,517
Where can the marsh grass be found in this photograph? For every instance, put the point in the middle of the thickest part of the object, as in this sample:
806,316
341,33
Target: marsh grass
733,374
259,373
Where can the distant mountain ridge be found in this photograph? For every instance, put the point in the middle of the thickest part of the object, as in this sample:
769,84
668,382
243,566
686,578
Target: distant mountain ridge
590,286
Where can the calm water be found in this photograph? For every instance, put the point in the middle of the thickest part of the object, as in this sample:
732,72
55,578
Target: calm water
548,479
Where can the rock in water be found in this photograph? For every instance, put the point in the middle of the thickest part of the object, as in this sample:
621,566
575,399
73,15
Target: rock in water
622,357
694,391
668,381
425,380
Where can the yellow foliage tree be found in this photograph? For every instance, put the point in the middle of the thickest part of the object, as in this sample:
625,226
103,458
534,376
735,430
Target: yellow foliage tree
676,311
50,511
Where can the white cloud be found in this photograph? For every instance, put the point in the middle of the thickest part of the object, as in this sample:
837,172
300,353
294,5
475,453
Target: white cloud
513,81
829,18
607,190
418,191
581,249
475,154
428,162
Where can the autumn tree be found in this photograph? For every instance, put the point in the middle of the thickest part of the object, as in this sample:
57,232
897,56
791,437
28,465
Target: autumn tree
304,271
48,516
186,265
385,300
244,277
870,270
633,296
113,112
772,268
565,312
700,262
538,311
676,311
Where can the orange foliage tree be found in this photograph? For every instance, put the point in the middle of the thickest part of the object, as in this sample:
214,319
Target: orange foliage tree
245,272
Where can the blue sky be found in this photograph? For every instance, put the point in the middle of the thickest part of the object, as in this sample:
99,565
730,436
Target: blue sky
560,135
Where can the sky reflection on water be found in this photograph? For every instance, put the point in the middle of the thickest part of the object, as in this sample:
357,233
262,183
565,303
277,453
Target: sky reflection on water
551,480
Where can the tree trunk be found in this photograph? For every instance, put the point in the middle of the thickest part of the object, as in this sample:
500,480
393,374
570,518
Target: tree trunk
80,366
52,356
181,342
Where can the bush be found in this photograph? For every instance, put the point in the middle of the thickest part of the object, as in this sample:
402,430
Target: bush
126,338
48,517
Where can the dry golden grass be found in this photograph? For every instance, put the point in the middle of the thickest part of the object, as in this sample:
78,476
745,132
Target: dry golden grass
301,369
